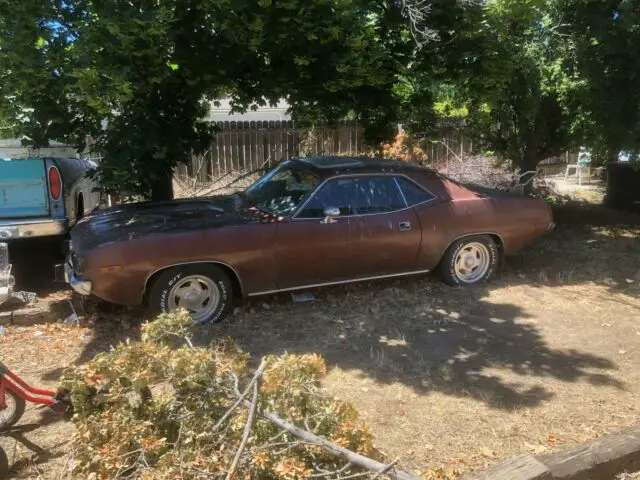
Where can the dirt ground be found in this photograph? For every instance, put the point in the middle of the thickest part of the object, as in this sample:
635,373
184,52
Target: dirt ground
544,357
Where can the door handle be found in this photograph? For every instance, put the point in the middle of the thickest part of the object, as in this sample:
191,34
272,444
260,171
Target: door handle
405,226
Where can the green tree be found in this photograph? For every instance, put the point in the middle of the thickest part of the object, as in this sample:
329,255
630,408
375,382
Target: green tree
502,77
136,78
33,60
605,35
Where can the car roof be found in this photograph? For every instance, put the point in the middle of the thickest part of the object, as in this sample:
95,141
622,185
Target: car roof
326,165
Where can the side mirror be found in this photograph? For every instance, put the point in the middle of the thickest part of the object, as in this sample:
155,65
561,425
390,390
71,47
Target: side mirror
330,214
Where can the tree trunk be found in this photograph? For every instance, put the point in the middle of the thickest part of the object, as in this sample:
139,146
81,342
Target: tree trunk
162,187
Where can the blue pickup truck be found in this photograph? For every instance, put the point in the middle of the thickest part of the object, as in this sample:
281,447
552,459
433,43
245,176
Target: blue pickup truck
40,197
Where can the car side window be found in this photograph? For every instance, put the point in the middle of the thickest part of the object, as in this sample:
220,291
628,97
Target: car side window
412,192
337,192
377,194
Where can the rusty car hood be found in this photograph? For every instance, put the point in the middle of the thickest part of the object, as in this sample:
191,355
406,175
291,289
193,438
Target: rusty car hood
131,221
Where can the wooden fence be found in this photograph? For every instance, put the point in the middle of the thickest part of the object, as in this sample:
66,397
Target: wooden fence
245,147
241,147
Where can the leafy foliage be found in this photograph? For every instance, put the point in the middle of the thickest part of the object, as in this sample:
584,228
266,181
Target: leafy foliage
604,36
502,79
136,78
165,413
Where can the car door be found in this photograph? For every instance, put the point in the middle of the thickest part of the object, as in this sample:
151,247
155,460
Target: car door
386,237
312,251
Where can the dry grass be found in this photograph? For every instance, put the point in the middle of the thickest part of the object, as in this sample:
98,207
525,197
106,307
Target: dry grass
542,358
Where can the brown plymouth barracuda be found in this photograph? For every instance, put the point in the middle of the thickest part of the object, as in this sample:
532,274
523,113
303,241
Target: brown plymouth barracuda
309,222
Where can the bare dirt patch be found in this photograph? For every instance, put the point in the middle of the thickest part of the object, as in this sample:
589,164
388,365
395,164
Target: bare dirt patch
39,352
542,358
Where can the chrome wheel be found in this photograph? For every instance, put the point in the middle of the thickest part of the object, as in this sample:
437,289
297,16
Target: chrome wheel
472,262
197,294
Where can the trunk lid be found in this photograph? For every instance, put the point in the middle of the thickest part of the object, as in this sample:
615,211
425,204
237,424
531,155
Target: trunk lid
23,188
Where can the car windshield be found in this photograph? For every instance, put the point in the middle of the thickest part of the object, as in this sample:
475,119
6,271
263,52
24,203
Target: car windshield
281,190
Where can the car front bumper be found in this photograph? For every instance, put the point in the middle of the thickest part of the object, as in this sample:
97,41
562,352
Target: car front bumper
15,229
66,273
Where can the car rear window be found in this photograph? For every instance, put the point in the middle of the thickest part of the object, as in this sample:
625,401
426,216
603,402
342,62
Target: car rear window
412,192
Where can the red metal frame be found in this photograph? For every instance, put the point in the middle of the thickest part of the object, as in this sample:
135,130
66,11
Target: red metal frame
10,381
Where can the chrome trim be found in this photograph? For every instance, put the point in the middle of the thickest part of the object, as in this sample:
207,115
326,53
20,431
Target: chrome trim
353,175
6,280
196,262
341,282
12,229
83,287
404,199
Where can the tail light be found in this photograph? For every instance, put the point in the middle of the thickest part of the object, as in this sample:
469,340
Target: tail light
55,183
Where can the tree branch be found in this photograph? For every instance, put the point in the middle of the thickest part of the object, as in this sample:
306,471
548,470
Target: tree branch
241,396
352,457
247,428
386,469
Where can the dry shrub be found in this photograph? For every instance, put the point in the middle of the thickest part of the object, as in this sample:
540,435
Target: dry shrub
403,148
159,416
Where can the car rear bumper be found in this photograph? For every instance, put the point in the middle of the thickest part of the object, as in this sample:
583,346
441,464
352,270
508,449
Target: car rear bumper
15,229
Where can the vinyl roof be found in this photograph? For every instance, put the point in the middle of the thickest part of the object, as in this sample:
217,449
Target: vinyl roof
342,164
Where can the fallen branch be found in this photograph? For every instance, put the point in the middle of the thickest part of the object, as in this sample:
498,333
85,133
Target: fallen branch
388,468
247,427
241,396
352,457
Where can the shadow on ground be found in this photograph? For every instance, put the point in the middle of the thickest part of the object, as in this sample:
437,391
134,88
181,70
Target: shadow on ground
422,334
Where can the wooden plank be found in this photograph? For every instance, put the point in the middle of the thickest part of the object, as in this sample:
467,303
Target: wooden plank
290,144
252,146
217,156
522,467
603,458
233,145
279,137
295,132
271,143
238,140
259,144
228,154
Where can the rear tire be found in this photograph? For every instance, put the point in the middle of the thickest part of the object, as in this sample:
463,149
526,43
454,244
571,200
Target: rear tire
18,405
469,261
204,290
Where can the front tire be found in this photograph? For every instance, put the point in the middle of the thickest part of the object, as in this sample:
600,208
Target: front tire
204,290
469,261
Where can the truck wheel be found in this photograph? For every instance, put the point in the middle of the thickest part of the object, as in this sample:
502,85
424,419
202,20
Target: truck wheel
470,260
205,291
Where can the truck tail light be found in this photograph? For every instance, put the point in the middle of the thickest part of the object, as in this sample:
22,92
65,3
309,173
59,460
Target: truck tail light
55,183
